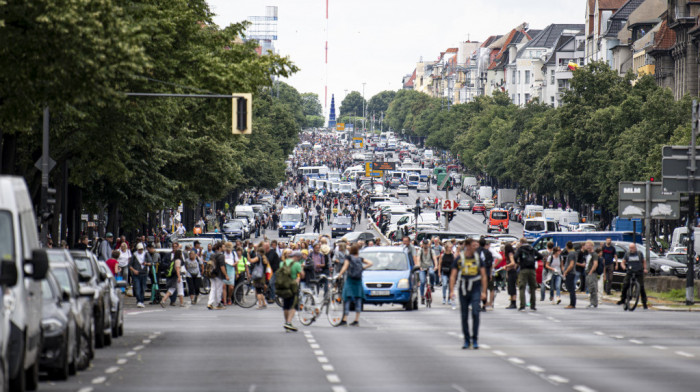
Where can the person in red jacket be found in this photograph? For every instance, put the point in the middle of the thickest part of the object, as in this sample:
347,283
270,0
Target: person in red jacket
112,262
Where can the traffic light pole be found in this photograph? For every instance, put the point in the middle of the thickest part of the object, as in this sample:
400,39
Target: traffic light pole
447,197
690,273
45,177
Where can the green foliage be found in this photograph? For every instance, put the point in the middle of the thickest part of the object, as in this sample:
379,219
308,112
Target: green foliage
311,105
352,104
404,109
379,103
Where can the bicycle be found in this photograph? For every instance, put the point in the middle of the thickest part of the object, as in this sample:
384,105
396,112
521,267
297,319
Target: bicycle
632,298
428,291
332,302
245,297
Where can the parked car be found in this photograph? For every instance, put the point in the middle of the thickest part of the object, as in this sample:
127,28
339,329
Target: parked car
391,279
116,300
91,276
59,340
341,225
359,236
80,299
478,207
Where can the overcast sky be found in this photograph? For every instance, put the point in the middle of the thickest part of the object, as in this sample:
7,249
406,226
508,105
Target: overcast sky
379,41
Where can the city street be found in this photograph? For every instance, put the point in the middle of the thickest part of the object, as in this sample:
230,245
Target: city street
192,348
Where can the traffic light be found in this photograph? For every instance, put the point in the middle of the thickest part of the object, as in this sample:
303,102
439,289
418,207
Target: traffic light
242,118
48,213
450,216
651,179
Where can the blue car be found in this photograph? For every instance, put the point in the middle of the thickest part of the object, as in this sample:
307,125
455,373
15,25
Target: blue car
392,279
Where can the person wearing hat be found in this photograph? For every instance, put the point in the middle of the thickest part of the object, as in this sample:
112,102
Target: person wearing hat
105,251
139,266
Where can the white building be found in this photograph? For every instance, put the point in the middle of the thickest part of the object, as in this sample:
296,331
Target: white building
556,70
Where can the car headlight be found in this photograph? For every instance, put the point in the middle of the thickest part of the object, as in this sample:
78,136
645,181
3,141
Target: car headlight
403,284
665,268
51,325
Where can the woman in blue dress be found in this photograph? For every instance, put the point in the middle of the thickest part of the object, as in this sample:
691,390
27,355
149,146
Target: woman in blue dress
352,289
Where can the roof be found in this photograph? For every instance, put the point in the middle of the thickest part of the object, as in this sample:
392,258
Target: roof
563,41
452,50
549,37
665,38
617,20
411,80
490,40
610,4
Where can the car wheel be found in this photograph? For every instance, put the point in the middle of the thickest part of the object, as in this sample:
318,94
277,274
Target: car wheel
32,375
99,331
108,338
62,372
19,382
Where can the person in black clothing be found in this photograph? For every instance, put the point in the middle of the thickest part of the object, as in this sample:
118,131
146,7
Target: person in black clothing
83,243
317,224
511,274
487,258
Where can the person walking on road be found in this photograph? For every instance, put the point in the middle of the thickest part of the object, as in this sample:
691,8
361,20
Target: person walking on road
426,262
139,266
287,285
217,280
592,261
511,274
445,268
545,271
174,280
570,274
352,289
554,265
527,259
610,257
634,263
194,269
472,289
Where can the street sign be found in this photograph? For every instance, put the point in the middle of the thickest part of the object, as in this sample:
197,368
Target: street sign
632,201
52,164
674,168
340,126
372,173
384,165
449,205
358,142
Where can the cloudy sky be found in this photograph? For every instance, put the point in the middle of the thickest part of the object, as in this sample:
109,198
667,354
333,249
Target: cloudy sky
379,41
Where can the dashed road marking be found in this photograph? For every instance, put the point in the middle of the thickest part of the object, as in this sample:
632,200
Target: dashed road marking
322,359
535,369
558,379
339,388
99,380
635,341
122,361
315,345
333,378
685,354
328,368
618,337
659,347
130,353
515,360
485,346
583,388
499,353
85,389
137,348
599,333
318,352
146,341
311,340
152,336
112,369
458,388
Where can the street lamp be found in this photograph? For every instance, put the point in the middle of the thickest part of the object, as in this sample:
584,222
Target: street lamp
363,106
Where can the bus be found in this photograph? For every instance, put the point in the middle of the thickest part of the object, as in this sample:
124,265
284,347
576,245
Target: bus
314,171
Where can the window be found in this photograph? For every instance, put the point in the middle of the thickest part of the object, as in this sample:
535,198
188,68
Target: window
551,100
518,99
514,77
527,77
519,77
527,98
512,98
7,239
552,76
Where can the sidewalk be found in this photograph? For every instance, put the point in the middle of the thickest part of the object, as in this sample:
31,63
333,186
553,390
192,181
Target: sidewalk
654,303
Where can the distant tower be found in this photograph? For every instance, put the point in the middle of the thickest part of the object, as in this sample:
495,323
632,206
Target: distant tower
331,116
264,29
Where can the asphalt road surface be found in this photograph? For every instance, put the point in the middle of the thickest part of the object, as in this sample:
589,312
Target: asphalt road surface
553,349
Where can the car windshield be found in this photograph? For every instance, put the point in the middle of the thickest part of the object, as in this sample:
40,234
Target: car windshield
7,246
62,277
499,215
233,225
534,226
291,217
386,261
83,264
679,258
46,292
342,220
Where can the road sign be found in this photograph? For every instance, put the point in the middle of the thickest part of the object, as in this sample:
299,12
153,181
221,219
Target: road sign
449,205
632,201
384,165
358,142
52,164
340,126
372,173
674,168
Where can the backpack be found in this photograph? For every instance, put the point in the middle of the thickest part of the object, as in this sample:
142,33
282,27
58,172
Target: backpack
285,285
258,270
527,258
163,266
171,271
210,267
96,247
601,266
355,267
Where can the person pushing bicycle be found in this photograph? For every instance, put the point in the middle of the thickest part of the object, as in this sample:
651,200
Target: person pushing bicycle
635,264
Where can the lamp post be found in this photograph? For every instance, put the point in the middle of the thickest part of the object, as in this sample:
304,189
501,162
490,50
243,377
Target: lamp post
363,106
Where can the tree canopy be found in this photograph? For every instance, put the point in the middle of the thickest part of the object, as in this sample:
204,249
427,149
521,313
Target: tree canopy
352,104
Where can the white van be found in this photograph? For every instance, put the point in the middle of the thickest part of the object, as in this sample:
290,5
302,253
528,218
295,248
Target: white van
535,227
23,264
533,211
244,211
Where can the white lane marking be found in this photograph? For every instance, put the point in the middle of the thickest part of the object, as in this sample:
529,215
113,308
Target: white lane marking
318,352
535,368
112,369
137,348
599,333
558,379
556,321
85,389
659,347
122,361
137,312
322,359
152,336
339,388
311,340
516,360
618,337
130,353
99,380
146,341
458,388
635,341
157,333
499,353
315,345
252,388
333,378
583,388
485,346
328,367
685,354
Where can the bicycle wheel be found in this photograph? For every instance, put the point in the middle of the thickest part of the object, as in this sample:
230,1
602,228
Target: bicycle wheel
633,296
279,302
307,307
205,286
335,309
244,295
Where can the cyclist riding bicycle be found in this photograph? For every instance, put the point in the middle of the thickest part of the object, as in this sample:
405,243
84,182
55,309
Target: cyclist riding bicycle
635,264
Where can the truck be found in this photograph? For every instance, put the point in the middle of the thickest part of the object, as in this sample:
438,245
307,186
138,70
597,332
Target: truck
506,196
468,182
485,192
627,224
443,177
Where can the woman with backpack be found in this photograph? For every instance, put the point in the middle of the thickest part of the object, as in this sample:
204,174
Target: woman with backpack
193,273
260,265
230,258
174,280
352,289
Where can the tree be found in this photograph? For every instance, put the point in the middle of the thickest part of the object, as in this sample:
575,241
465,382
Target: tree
352,104
379,103
311,105
404,109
